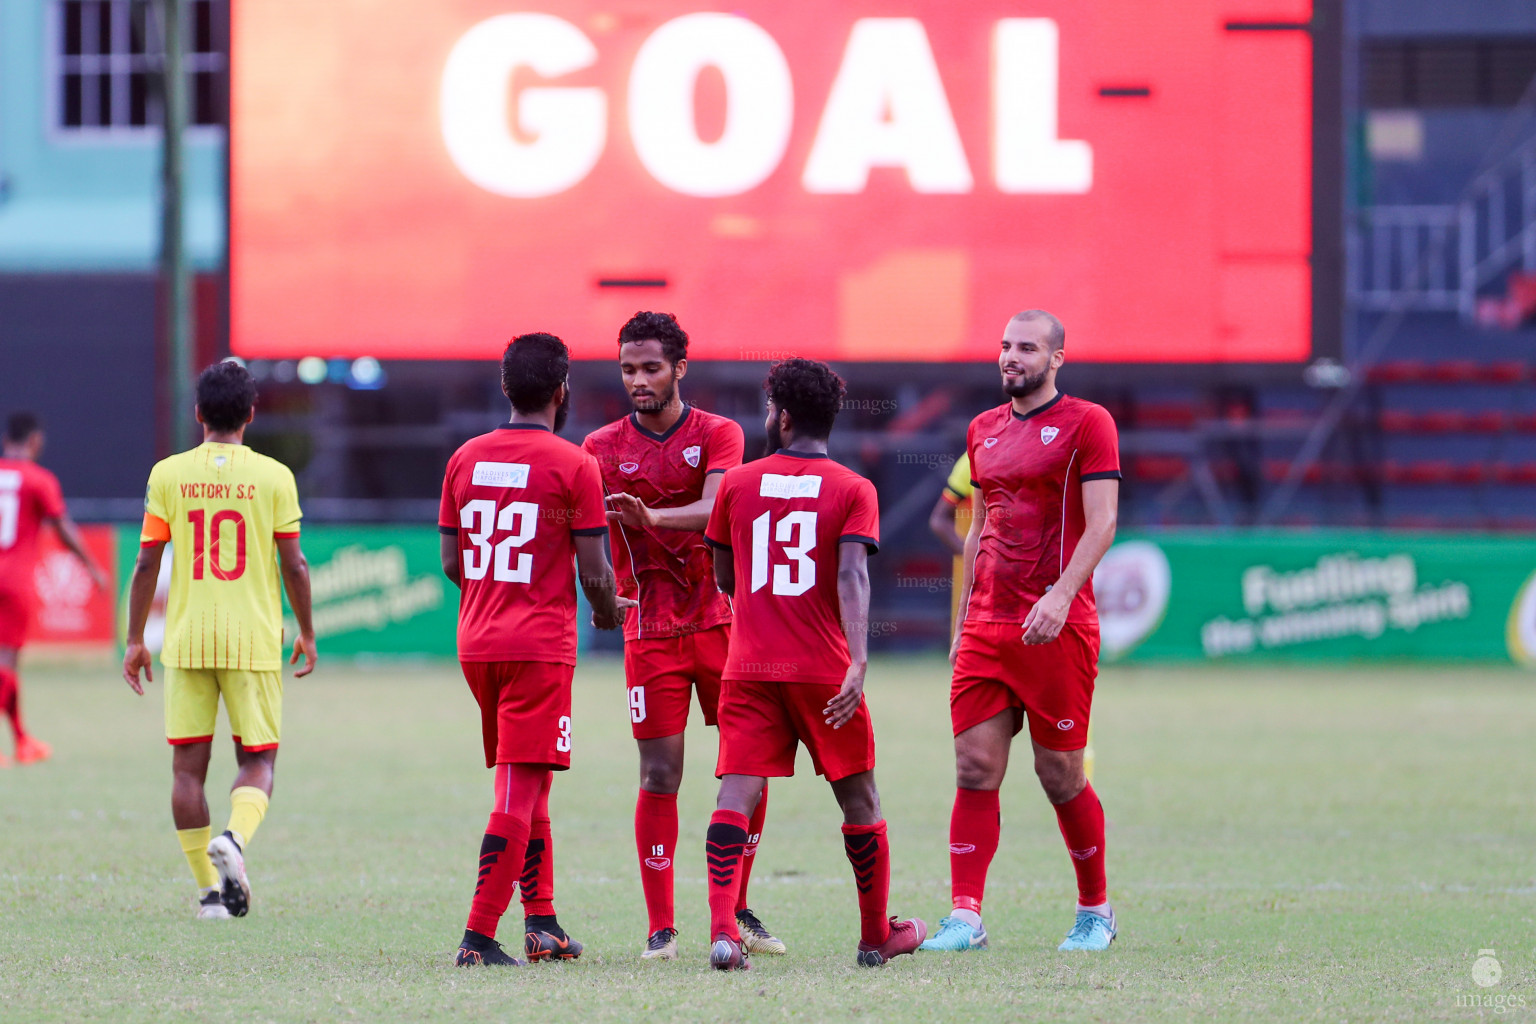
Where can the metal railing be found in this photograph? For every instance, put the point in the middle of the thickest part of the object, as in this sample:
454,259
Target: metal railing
1441,257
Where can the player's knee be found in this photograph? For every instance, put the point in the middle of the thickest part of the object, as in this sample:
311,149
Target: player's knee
978,769
660,776
860,806
1060,776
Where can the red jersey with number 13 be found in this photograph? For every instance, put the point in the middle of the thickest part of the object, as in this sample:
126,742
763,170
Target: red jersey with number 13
1029,470
515,499
781,520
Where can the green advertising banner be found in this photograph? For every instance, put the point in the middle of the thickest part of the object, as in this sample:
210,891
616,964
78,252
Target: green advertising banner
377,590
1318,595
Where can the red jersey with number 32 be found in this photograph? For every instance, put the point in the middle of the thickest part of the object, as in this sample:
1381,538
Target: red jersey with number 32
29,495
515,499
781,519
668,572
1029,470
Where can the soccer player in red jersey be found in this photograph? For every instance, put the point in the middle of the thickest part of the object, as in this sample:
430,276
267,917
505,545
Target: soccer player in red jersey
29,498
522,513
792,534
661,467
1047,469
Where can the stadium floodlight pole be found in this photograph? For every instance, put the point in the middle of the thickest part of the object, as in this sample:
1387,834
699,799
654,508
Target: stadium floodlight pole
175,276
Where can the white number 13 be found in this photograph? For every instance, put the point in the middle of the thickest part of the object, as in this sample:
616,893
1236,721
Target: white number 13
519,518
799,575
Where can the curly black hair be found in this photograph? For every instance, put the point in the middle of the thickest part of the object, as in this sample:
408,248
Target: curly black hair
226,394
21,426
664,327
810,391
532,370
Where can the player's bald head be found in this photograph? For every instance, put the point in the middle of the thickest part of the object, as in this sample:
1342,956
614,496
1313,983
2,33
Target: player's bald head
1055,333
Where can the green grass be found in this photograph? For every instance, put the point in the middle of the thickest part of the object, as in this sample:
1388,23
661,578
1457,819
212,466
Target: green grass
1283,844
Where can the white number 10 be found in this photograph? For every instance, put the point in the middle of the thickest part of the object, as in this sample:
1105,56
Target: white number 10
519,518
788,579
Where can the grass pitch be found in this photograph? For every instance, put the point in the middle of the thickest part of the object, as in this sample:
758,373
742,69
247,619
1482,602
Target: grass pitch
1283,844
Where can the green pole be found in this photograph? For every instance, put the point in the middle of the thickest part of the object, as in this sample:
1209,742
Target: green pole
175,276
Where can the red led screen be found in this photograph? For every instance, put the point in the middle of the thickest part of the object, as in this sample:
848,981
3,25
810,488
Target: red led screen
862,180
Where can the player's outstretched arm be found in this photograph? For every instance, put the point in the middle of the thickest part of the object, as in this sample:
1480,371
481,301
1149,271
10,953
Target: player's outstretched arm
1101,500
853,606
290,558
141,594
968,573
631,511
942,522
448,551
725,569
598,583
69,536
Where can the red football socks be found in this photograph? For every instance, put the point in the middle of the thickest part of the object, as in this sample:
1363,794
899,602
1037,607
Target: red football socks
656,843
749,852
501,861
538,885
722,854
1082,826
10,700
871,859
974,826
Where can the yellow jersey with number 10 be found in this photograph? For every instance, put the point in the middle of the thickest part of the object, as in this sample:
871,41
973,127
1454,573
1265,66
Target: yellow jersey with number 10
222,506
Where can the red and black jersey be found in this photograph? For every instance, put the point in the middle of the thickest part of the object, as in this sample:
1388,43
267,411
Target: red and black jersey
668,572
29,496
515,499
781,520
1029,470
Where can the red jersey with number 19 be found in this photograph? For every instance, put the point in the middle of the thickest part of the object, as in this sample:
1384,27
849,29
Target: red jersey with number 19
667,572
515,499
781,519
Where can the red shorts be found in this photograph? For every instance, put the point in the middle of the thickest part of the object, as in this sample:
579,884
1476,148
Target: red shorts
1052,683
760,723
525,711
660,672
15,611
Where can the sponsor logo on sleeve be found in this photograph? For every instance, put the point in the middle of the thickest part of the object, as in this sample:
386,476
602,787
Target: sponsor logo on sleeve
500,474
989,442
776,485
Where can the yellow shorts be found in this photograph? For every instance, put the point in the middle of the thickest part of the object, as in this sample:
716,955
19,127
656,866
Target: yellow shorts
253,701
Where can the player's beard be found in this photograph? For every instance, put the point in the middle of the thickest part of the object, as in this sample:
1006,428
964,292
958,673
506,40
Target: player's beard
658,402
775,439
1026,384
563,411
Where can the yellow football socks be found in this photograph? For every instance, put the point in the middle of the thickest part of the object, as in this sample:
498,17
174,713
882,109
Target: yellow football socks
247,806
194,843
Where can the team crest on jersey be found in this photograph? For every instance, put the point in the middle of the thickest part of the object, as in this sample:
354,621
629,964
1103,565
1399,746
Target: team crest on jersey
1048,434
990,442
628,467
691,456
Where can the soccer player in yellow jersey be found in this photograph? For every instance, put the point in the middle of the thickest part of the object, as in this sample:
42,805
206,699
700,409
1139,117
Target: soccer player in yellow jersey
232,519
950,521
